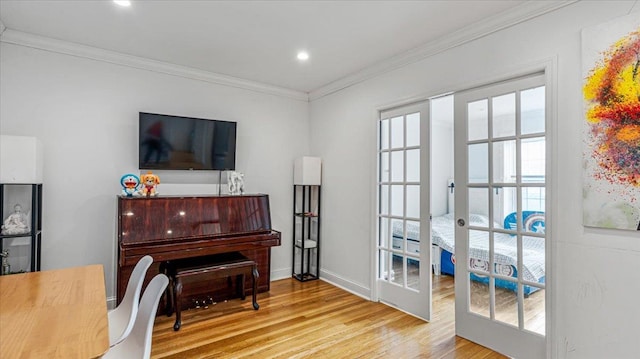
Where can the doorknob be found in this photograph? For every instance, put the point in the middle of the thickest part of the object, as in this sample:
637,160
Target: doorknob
461,222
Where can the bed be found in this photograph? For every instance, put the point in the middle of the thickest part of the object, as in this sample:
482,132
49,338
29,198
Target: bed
442,236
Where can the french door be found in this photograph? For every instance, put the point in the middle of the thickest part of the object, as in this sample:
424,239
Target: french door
403,228
501,175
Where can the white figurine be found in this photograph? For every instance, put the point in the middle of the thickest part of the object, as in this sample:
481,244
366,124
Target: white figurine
16,223
236,182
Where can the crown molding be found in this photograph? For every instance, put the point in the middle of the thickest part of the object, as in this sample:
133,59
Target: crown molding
509,18
64,47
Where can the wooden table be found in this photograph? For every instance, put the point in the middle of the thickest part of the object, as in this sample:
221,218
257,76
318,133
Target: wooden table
54,314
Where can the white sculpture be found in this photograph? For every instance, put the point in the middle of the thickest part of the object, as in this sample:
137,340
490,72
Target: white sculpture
236,182
16,223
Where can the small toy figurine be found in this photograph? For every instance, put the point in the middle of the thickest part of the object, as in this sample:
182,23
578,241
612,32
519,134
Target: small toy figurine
149,183
130,185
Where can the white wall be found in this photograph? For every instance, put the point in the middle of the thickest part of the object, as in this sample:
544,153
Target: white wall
441,153
594,301
85,112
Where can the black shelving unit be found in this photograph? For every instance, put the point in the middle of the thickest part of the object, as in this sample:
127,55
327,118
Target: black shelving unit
22,193
306,232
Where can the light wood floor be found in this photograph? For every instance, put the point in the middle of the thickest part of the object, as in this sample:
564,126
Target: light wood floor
315,319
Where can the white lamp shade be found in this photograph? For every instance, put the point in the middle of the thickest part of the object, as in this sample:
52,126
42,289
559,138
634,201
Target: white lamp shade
20,159
307,171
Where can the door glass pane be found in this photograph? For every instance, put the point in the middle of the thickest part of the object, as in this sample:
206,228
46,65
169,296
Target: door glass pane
397,200
384,232
397,226
413,129
397,166
478,120
504,161
384,199
479,163
533,160
479,251
534,316
532,105
506,300
535,263
384,134
413,165
384,167
397,132
413,273
478,295
413,237
413,201
532,220
533,198
478,207
505,203
398,269
504,115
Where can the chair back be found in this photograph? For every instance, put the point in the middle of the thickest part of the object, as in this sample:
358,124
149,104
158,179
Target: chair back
121,319
138,344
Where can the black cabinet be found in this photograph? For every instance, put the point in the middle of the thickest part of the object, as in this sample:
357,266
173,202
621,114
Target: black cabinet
306,232
21,232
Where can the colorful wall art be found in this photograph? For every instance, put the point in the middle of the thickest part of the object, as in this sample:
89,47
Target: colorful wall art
611,70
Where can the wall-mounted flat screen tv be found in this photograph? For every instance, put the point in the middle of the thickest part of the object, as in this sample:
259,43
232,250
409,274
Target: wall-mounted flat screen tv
185,143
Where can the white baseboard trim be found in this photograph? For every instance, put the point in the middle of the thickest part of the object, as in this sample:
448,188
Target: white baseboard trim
280,274
345,284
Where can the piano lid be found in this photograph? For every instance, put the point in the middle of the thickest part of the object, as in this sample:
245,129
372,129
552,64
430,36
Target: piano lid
171,218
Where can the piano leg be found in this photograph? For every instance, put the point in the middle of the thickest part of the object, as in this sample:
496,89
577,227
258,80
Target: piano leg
168,293
255,275
177,291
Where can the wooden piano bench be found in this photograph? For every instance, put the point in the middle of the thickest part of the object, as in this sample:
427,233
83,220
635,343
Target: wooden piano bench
223,265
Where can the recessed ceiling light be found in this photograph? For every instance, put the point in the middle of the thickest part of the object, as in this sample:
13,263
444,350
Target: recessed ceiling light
124,3
303,56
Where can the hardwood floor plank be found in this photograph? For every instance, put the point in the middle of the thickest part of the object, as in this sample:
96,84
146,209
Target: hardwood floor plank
314,319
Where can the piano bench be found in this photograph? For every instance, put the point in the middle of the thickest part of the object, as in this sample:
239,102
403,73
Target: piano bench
223,265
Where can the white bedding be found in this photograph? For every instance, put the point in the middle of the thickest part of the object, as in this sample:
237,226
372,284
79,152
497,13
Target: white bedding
505,251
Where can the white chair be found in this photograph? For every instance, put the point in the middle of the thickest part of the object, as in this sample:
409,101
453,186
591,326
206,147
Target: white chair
122,317
138,344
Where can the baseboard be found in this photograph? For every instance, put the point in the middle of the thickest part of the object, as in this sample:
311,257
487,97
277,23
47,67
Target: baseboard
331,278
345,284
280,274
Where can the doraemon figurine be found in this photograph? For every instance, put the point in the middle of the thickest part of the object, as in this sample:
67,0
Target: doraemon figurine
130,185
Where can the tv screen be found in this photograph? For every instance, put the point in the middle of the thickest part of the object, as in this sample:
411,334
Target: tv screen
185,143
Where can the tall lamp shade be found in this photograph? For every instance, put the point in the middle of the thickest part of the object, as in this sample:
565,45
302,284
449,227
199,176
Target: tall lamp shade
20,159
307,171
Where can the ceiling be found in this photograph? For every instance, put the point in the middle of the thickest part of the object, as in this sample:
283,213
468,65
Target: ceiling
258,40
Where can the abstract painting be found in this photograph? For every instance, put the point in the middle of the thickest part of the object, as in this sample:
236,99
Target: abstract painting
611,90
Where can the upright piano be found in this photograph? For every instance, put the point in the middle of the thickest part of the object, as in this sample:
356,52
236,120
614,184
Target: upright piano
176,227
